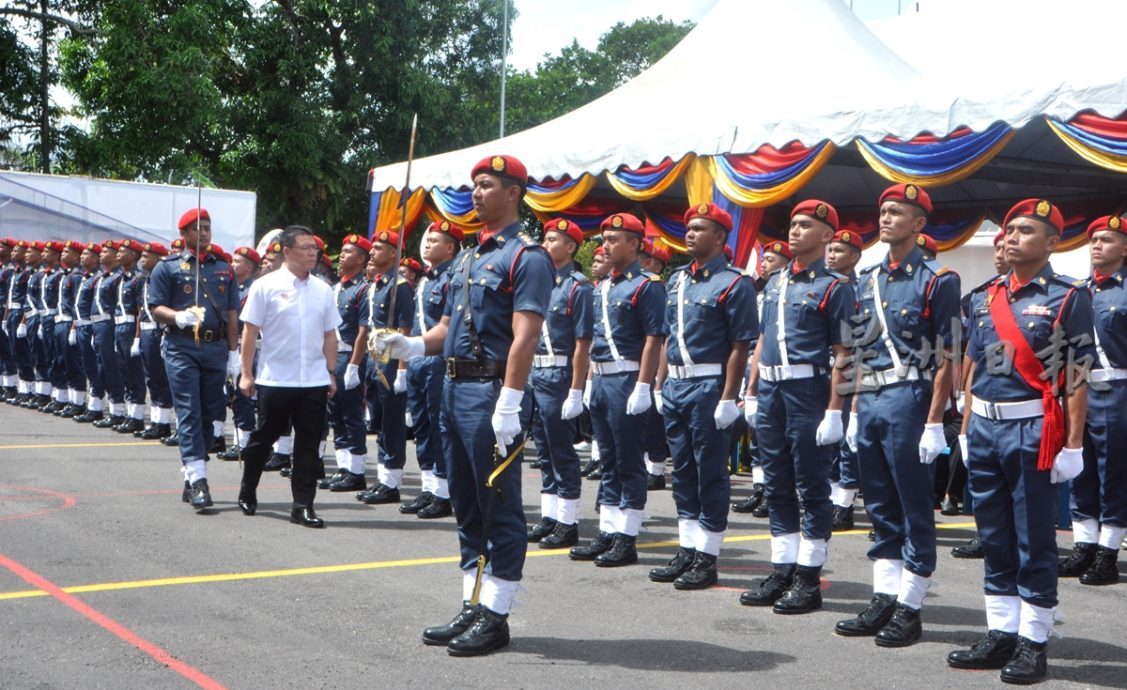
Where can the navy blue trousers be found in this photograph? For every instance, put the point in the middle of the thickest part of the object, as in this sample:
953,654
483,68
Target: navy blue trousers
424,399
131,367
702,489
90,362
555,437
346,410
1100,492
195,375
621,438
108,363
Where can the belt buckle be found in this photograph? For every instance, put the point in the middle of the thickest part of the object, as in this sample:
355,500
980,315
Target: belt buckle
992,411
451,368
208,336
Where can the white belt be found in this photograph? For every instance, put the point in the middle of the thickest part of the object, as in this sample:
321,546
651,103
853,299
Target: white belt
62,318
694,371
1104,375
788,372
98,318
46,312
82,322
550,361
148,326
343,346
887,377
616,366
128,318
1007,410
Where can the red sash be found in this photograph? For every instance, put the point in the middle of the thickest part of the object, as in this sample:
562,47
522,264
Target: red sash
1031,371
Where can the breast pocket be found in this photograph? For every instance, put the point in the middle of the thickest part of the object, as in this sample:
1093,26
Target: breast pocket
485,286
703,311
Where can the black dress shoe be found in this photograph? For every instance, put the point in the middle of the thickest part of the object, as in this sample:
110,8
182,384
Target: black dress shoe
842,519
440,635
248,501
306,517
438,508
676,566
1104,569
561,537
804,594
971,549
903,630
88,416
596,547
622,551
771,588
949,507
68,411
762,510
751,502
172,440
1082,556
186,494
129,426
339,474
991,652
200,496
349,482
588,468
286,472
488,632
700,575
871,620
1028,665
421,501
655,482
541,529
109,422
155,432
596,474
535,464
378,495
230,455
276,462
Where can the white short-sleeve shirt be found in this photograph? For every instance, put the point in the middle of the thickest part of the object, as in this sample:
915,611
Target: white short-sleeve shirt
294,315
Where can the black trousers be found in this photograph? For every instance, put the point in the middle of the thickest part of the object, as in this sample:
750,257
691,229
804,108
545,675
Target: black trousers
277,407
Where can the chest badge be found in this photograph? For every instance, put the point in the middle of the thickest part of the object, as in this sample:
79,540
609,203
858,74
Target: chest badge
185,266
187,289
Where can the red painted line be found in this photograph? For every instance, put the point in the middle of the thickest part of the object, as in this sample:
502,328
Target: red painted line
67,501
159,654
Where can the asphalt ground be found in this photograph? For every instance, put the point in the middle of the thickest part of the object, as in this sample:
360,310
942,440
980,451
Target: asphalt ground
107,580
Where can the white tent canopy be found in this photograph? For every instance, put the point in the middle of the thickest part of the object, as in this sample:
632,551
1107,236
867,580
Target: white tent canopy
757,72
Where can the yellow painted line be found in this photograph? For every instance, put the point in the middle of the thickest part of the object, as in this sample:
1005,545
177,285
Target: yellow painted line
80,445
352,567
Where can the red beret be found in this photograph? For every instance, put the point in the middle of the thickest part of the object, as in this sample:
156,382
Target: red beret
156,248
319,242
326,261
412,264
600,251
711,212
75,245
189,217
1113,223
1037,209
928,243
249,254
275,248
178,243
55,246
565,227
39,245
727,253
818,210
849,237
502,166
9,241
780,248
447,228
110,244
132,244
1000,236
94,247
907,194
662,253
358,240
625,222
387,237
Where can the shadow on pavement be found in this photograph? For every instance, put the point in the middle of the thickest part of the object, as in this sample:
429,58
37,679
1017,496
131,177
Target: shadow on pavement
684,656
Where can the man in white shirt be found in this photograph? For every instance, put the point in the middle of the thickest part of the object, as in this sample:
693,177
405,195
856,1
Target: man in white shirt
297,318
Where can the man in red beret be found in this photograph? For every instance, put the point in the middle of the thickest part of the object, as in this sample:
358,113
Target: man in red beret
599,266
35,259
794,402
559,375
90,397
1018,443
127,334
1099,493
51,371
244,262
160,394
654,258
501,291
15,324
897,425
8,376
68,354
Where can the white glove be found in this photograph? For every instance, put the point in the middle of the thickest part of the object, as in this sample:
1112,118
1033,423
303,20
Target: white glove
659,402
964,450
135,348
4,326
186,319
587,394
751,410
506,417
829,431
72,337
234,364
42,332
725,414
351,376
400,384
932,443
21,330
410,419
572,404
640,400
1068,464
851,432
961,403
398,346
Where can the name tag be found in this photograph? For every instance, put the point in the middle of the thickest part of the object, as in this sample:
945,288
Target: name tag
1036,310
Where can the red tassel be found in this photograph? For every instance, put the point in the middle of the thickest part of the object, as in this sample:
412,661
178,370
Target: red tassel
1052,432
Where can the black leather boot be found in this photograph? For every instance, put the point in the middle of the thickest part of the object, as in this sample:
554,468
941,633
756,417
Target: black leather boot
676,567
771,588
561,537
871,620
842,518
276,462
200,496
1029,664
903,630
752,502
421,501
971,549
596,547
541,529
488,632
442,634
622,551
438,508
349,482
324,483
700,575
805,593
1104,569
1082,556
993,651
156,431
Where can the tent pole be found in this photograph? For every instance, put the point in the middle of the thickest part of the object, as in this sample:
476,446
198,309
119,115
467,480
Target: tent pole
504,59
